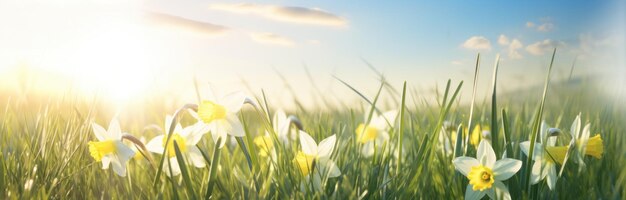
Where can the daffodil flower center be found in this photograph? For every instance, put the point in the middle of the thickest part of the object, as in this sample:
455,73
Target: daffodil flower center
265,144
366,133
304,162
209,111
102,148
481,177
180,141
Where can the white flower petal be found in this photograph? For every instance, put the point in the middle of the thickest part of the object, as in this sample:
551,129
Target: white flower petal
383,121
236,126
551,141
383,136
118,167
279,119
551,177
124,153
330,167
106,161
505,168
535,174
491,193
195,132
309,146
100,133
317,182
575,129
173,163
368,149
485,154
218,132
584,136
538,152
502,192
156,145
115,132
471,194
465,164
233,101
195,157
326,146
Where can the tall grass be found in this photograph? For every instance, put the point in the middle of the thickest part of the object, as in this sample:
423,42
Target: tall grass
44,151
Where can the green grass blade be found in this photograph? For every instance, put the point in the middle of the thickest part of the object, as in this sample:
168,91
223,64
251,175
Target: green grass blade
495,135
401,129
471,113
213,170
537,126
184,171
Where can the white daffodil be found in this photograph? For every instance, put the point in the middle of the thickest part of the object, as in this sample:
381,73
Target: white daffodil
314,160
485,174
186,138
109,148
282,127
545,161
581,144
221,116
374,134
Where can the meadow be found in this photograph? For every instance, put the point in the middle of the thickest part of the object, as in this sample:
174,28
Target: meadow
405,148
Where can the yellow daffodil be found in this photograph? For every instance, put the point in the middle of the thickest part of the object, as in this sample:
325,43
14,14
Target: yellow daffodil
221,116
374,134
485,174
109,149
314,160
186,138
544,166
581,144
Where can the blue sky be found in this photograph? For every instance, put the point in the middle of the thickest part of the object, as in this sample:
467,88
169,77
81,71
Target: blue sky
143,43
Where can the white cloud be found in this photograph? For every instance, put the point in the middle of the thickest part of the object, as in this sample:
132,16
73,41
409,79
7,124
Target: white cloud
530,24
513,49
503,40
185,24
542,47
271,38
291,14
597,46
546,27
477,43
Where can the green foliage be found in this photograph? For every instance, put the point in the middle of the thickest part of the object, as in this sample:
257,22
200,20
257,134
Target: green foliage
44,153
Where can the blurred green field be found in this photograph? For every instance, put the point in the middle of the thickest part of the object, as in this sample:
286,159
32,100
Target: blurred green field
45,153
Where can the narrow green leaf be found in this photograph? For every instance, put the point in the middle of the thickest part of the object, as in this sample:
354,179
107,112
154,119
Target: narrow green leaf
537,126
213,170
495,135
184,171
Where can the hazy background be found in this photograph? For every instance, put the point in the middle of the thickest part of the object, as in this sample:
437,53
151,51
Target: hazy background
126,51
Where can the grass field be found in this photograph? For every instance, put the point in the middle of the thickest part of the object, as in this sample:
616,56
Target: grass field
45,146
